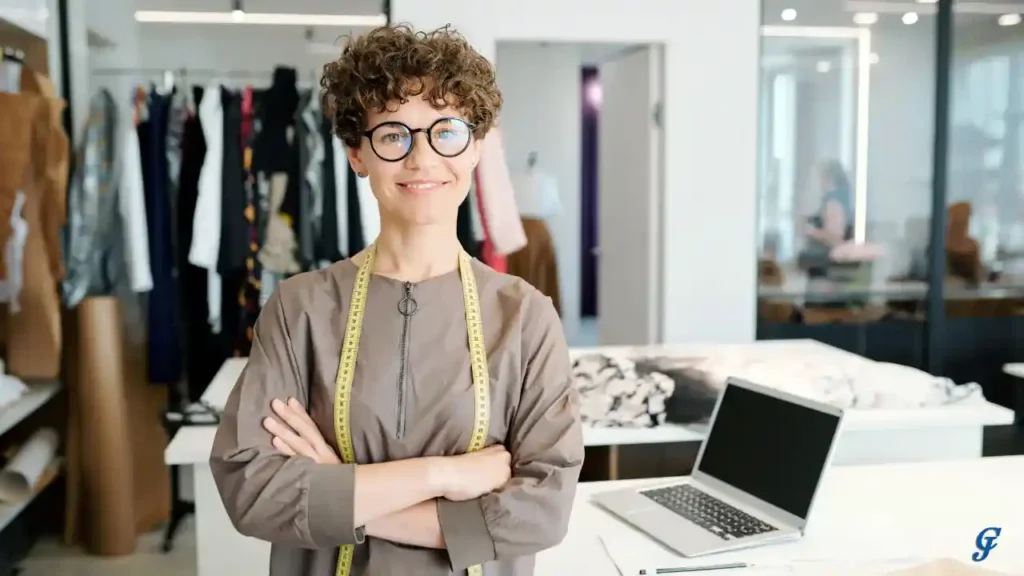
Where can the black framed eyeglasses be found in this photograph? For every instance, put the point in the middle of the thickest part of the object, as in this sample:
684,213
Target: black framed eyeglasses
393,141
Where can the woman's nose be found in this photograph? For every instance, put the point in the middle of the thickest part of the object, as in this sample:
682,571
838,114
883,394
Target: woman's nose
422,154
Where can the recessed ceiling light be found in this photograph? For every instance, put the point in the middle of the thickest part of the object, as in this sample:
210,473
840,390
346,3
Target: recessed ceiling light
823,66
865,18
927,1
873,59
1009,19
910,18
789,14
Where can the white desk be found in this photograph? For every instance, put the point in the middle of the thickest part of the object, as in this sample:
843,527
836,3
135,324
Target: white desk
863,516
869,437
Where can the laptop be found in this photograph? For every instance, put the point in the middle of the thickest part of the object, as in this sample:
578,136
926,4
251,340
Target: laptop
755,479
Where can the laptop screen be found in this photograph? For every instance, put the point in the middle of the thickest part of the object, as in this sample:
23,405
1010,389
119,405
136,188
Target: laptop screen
769,448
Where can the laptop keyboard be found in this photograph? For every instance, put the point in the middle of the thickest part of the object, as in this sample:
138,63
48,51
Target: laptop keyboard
706,511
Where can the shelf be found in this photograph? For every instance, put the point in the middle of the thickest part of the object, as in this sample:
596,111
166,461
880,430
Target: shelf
9,512
39,393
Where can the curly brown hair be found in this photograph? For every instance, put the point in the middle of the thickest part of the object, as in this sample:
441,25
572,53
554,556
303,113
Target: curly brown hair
393,63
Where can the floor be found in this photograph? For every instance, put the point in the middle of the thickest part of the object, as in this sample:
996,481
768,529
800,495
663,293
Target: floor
51,558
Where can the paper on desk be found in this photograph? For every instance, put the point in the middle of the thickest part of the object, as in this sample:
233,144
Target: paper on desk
21,475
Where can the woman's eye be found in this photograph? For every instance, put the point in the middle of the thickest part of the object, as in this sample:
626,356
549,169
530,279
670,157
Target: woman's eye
393,138
447,134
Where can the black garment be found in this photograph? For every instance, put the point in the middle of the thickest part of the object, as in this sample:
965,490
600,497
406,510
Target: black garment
164,346
356,240
234,239
307,224
464,229
275,146
325,246
203,353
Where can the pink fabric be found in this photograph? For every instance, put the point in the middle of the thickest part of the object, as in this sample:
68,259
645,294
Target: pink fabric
497,198
487,254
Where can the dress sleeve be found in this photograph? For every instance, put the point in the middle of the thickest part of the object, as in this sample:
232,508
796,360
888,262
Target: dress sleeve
531,513
270,496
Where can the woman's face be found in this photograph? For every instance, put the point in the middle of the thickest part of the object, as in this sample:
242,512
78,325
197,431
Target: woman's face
425,187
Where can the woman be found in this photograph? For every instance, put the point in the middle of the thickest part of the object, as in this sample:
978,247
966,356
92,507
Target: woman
400,394
832,225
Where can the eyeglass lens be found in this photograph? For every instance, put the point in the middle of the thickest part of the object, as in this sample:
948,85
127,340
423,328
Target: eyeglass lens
394,141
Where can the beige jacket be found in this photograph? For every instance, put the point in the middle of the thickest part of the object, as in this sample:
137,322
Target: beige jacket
305,509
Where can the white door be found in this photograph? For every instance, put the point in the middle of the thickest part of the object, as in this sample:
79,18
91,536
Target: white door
629,197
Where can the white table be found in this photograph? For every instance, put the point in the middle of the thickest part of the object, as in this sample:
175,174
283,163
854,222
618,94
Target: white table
869,437
866,520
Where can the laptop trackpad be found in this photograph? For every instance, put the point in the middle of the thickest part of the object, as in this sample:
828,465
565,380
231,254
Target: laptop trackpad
675,531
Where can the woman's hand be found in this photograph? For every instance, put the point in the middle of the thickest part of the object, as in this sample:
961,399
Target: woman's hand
295,433
472,475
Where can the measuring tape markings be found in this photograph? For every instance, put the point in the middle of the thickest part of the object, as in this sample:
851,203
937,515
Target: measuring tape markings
346,373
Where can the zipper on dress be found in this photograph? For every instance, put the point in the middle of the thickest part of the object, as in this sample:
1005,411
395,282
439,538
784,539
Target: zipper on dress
407,307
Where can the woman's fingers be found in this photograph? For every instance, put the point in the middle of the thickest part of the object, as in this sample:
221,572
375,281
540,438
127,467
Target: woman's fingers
286,435
295,416
283,447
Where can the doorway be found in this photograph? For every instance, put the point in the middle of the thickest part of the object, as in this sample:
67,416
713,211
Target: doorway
579,122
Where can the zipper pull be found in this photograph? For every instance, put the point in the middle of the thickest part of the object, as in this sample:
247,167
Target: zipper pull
408,306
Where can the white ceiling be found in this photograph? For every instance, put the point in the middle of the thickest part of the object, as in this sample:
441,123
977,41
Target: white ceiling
840,12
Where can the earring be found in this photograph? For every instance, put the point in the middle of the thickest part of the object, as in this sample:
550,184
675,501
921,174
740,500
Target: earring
361,174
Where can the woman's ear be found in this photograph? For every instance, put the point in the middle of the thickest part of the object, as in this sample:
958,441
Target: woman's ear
356,161
474,150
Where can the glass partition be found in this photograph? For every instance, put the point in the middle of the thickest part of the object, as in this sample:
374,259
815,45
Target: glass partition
984,293
845,189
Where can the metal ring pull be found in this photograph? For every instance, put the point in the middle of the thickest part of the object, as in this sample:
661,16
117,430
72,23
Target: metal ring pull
408,306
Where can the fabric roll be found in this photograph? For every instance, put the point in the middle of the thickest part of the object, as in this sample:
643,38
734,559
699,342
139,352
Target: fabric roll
537,263
99,398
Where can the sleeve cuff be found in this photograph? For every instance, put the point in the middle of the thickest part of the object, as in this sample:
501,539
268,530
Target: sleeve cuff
465,533
331,505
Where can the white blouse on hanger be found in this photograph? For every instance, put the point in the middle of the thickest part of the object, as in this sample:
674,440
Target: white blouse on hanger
131,203
206,222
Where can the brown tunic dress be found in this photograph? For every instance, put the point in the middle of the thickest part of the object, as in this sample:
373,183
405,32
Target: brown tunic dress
306,509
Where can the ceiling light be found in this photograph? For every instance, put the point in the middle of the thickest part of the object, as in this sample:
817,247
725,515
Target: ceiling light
910,18
1009,19
823,66
865,18
240,17
789,14
927,1
873,59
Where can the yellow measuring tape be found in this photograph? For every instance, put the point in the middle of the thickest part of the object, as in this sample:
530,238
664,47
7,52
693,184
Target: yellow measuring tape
347,366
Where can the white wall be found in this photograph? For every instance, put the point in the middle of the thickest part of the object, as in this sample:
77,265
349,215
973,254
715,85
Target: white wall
901,128
541,87
710,128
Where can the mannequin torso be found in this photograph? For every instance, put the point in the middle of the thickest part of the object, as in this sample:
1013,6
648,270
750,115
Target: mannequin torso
536,194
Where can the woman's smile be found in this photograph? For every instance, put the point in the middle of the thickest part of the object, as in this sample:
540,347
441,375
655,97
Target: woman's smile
421,186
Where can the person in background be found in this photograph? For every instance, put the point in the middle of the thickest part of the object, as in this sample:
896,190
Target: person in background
412,109
832,224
